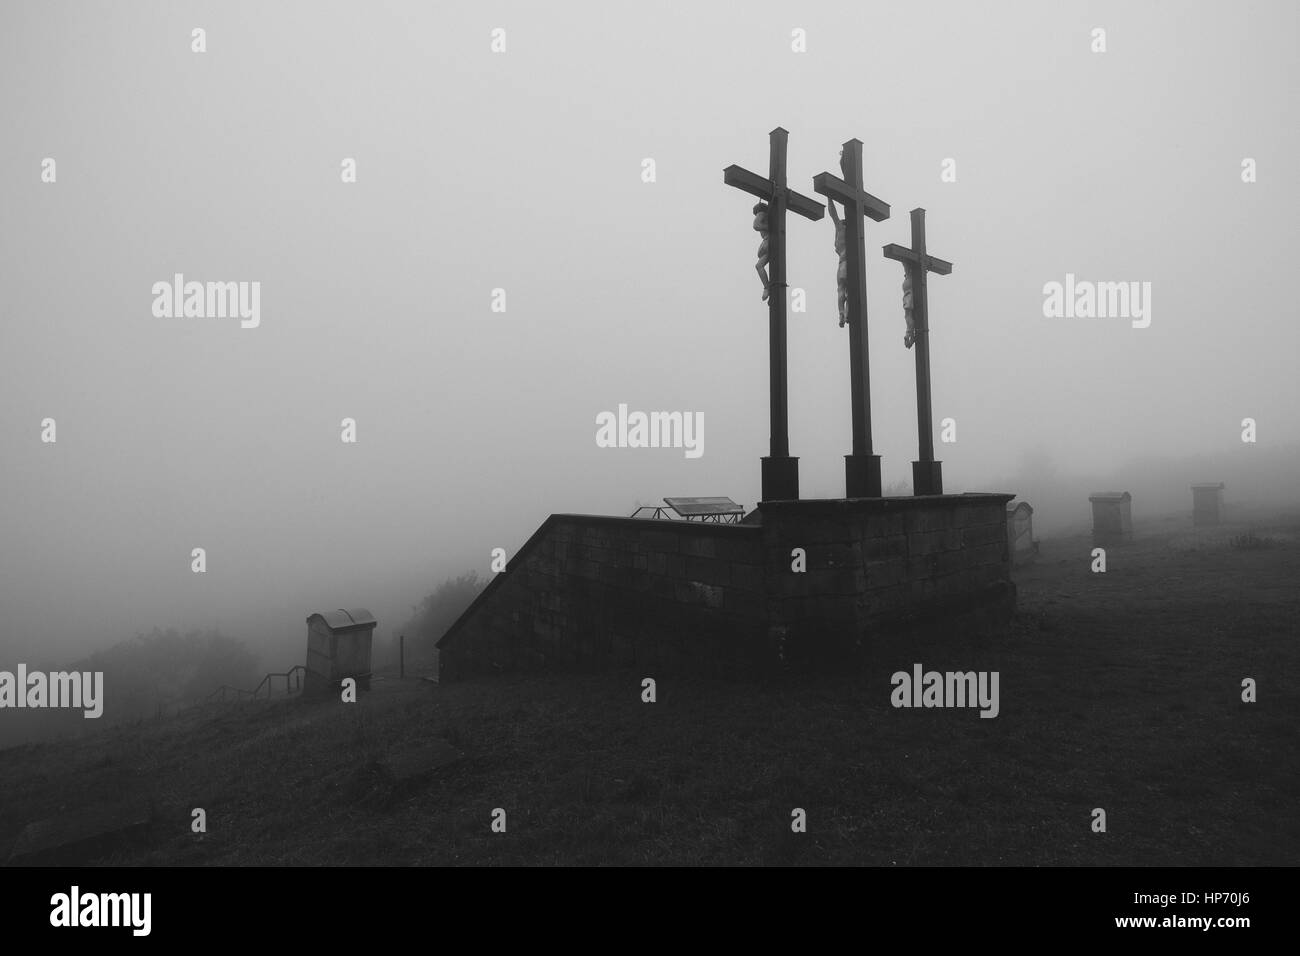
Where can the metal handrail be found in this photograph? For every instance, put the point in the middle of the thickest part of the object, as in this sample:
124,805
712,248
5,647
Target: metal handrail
239,693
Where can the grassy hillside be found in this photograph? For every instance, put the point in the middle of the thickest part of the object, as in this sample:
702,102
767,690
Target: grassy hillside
1119,691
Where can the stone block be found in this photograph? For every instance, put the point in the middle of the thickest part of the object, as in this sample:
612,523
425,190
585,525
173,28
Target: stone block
975,535
745,604
884,548
746,548
707,570
698,545
968,515
660,541
885,599
834,581
696,594
825,610
833,554
882,525
935,518
886,574
795,533
997,552
746,576
921,543
923,566
676,565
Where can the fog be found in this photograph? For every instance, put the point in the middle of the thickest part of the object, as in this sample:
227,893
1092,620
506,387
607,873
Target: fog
522,171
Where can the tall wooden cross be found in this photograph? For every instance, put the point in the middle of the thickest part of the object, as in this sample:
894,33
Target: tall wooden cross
862,468
780,471
927,474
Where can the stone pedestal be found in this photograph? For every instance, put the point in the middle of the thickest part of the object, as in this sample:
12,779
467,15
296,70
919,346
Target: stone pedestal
861,476
589,592
1207,504
780,479
927,477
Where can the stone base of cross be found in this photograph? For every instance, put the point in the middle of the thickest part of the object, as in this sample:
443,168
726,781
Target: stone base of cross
927,477
862,476
780,477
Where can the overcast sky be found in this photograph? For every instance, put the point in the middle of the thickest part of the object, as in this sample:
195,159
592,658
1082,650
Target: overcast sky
522,170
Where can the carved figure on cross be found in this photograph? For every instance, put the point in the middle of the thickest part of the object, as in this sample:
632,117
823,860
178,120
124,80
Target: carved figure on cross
842,271
908,312
761,227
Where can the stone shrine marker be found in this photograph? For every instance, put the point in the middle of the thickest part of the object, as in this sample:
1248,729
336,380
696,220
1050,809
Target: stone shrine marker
780,471
1207,503
927,474
862,467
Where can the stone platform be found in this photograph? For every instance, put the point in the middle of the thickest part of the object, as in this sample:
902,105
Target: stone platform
591,592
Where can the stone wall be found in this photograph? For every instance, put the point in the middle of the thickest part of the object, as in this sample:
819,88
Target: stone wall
592,592
884,564
595,592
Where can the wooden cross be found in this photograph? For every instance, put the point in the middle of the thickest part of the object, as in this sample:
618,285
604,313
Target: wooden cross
780,471
927,474
862,468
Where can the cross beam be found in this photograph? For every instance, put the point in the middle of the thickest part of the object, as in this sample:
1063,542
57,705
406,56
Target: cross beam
927,474
862,468
780,471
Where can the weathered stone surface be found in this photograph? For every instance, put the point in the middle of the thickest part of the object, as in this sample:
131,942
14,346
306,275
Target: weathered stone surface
747,577
708,571
592,591
884,548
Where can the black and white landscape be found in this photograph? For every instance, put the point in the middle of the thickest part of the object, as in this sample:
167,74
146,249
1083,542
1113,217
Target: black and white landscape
351,351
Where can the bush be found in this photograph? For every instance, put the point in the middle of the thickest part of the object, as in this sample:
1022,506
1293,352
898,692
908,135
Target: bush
438,611
170,668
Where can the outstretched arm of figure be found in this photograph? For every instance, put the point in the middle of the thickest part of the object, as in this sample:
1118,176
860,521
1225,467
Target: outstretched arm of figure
835,217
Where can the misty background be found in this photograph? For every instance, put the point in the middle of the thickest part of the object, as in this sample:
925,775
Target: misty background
522,171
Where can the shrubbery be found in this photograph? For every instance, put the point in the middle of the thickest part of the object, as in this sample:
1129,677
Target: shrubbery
170,668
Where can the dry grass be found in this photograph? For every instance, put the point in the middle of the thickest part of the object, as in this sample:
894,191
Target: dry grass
1119,690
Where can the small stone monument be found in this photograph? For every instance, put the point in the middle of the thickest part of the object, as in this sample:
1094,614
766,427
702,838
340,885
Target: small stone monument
1112,517
338,646
1207,504
1020,532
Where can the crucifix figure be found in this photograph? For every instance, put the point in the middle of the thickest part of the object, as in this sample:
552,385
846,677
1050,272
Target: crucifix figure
764,255
862,468
842,270
927,474
780,471
909,313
